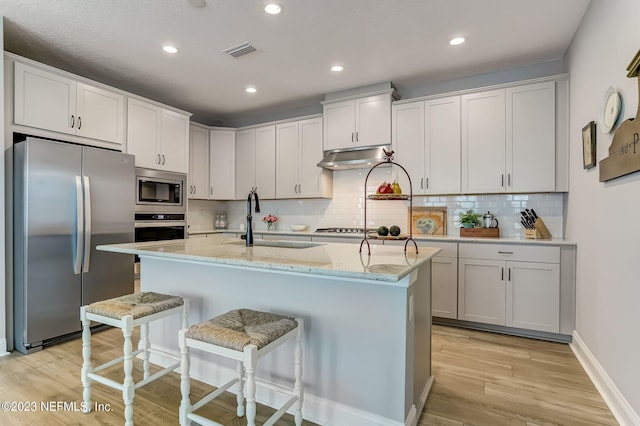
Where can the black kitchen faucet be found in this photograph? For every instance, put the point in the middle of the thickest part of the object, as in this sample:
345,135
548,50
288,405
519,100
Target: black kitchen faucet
249,235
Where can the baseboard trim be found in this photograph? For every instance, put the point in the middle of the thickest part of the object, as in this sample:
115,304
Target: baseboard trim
414,414
619,406
3,347
315,409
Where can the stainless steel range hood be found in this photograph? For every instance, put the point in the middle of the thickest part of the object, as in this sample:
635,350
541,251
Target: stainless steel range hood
353,158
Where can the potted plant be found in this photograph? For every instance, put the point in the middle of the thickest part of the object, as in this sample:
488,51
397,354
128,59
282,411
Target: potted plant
469,219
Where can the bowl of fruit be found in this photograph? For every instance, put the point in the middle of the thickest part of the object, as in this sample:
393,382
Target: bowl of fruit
392,232
389,191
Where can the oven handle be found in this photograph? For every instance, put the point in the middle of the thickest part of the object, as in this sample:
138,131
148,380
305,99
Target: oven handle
159,224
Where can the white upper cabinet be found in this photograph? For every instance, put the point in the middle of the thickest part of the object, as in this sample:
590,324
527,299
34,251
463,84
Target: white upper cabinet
409,144
298,150
357,122
442,141
531,138
508,140
426,141
287,160
159,138
483,142
198,163
255,162
52,102
222,163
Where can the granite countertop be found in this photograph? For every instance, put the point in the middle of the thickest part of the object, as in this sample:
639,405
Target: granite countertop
418,238
386,265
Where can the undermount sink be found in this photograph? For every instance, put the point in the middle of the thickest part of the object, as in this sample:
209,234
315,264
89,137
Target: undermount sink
278,244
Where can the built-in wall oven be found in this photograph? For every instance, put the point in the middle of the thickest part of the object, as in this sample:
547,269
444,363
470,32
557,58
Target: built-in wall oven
160,212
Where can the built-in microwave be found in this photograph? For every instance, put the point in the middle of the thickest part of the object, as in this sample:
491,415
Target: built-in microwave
160,192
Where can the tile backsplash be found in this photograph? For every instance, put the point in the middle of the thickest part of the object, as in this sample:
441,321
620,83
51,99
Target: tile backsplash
346,208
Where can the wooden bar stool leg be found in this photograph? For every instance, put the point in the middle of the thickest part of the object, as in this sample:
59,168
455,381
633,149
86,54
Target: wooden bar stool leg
297,387
144,344
250,361
86,360
185,383
128,390
240,394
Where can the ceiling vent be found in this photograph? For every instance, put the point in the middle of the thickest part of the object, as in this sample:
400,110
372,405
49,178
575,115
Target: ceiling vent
240,50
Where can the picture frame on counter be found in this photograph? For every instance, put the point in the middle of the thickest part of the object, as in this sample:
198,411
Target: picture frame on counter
589,145
428,221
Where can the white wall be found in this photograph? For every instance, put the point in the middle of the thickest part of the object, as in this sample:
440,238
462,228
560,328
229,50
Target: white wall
601,216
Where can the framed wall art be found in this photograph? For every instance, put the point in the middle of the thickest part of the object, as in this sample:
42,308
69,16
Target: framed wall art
589,145
428,221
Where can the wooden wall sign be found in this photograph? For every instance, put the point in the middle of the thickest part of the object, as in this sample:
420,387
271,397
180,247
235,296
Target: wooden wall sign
624,151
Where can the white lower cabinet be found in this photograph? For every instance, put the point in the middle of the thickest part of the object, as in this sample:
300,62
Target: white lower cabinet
522,292
444,287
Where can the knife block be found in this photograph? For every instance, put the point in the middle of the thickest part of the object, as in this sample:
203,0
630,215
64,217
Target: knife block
540,232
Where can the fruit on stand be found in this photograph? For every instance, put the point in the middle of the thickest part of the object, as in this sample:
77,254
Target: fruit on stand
394,230
396,187
385,188
383,231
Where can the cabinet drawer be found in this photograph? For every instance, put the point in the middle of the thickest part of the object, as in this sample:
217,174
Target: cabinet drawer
516,252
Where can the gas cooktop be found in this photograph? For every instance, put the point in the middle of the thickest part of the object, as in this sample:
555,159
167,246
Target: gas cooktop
340,230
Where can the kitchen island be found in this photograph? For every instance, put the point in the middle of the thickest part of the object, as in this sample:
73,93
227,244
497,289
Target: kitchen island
367,347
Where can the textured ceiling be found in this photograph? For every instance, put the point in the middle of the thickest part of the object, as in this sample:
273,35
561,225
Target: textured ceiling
118,42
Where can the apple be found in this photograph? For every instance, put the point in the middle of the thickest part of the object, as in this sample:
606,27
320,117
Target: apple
381,189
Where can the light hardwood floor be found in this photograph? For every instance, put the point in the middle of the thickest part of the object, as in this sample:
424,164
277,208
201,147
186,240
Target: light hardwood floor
480,379
491,379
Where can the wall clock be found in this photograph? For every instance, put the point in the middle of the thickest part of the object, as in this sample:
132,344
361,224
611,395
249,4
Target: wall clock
610,110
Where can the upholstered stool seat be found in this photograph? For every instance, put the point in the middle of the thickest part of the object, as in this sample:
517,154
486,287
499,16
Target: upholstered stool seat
127,312
244,335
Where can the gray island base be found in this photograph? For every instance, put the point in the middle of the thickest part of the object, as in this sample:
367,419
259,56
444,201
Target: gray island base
367,337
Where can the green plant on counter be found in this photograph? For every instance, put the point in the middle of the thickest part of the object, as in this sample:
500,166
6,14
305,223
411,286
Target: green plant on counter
470,219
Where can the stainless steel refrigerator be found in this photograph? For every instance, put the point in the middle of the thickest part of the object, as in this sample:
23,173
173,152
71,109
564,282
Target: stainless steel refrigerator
67,200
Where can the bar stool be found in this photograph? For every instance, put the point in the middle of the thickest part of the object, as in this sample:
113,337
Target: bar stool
246,336
127,312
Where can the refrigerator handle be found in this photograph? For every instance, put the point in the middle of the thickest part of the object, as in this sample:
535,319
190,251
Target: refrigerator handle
77,260
87,228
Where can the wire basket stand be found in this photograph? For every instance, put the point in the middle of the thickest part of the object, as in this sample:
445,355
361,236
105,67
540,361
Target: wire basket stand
388,159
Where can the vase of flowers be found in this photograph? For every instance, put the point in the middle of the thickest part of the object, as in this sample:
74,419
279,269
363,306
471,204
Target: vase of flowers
271,221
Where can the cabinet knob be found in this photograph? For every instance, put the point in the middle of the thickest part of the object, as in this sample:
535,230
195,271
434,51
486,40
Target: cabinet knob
502,180
356,137
158,160
72,122
79,122
508,179
163,159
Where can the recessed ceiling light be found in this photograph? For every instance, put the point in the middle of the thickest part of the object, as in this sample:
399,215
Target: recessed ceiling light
273,8
170,49
456,41
251,89
337,68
